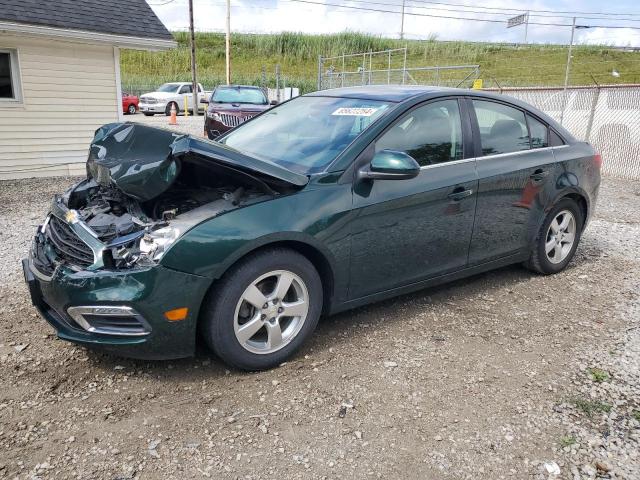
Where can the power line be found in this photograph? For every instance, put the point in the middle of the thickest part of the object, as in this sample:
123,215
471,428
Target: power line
503,9
452,17
478,11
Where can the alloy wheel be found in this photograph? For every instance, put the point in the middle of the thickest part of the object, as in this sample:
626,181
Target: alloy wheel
561,236
271,312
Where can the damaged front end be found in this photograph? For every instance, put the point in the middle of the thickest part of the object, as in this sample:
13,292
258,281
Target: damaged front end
146,187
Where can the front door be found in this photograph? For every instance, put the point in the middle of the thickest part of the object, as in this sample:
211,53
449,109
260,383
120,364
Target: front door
406,231
516,171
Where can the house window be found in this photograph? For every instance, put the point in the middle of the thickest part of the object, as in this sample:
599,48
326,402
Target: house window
10,90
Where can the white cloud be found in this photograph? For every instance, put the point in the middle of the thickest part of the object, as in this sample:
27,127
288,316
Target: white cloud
264,16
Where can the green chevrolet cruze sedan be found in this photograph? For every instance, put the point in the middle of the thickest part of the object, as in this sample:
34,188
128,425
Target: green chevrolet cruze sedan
324,203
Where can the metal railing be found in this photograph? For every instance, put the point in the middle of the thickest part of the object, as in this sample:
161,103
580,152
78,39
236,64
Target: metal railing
387,67
607,116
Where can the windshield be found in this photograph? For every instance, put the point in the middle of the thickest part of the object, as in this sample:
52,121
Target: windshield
239,95
168,88
306,133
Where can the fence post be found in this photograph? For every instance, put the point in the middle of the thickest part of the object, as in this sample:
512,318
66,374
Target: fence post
342,74
263,77
592,113
404,66
320,68
278,82
370,55
389,70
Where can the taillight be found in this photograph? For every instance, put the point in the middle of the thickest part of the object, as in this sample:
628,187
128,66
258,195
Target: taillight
597,160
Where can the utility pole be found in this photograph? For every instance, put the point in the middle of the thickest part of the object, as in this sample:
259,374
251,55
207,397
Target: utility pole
228,43
526,27
568,69
402,22
194,81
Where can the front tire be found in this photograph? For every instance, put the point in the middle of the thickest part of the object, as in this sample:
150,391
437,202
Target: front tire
131,110
263,309
167,110
557,239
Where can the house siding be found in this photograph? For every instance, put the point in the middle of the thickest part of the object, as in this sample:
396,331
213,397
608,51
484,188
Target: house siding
69,90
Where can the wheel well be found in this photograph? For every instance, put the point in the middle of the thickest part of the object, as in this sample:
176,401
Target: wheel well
314,255
582,203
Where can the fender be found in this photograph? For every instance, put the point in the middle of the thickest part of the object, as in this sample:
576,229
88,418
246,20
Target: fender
559,195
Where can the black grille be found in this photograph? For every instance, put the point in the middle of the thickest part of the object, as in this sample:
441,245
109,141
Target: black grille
67,244
233,120
39,257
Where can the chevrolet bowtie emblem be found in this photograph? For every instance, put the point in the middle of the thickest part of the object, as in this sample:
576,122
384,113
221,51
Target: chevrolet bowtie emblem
71,216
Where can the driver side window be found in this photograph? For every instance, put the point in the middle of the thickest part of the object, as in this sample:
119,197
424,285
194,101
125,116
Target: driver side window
431,134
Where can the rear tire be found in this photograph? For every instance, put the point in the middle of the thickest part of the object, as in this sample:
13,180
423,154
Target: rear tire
244,318
557,239
131,109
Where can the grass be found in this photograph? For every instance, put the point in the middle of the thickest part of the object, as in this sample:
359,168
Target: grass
297,54
589,407
598,375
636,414
567,441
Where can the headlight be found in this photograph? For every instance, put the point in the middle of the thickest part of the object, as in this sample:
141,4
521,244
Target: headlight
214,116
141,250
154,244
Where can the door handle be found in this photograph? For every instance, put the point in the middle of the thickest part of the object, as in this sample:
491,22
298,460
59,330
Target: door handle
460,193
539,174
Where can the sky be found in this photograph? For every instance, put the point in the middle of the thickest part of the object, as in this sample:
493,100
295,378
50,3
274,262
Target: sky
324,16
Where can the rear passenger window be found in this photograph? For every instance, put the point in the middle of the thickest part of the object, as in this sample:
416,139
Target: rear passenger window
538,132
503,129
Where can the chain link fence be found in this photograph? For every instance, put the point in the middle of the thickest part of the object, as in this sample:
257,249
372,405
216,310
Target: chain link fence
607,116
387,67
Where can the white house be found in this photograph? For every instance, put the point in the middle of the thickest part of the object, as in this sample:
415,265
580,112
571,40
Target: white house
60,77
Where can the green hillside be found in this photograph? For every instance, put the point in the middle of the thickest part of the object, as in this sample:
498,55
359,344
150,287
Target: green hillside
297,54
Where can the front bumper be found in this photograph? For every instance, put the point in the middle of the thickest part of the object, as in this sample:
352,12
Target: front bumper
213,128
149,292
152,107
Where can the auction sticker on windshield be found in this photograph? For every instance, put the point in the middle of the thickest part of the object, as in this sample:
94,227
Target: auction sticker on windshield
355,111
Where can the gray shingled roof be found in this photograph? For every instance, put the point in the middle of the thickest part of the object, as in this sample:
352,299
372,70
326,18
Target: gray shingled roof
133,18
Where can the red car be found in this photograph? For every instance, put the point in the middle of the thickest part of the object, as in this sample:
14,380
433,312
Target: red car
129,103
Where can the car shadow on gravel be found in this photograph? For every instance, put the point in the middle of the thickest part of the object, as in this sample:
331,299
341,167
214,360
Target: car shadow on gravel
330,331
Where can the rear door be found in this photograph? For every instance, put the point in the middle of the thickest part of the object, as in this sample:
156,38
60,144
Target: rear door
516,170
405,231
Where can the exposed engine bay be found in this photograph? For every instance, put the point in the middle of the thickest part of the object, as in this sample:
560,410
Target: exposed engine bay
120,220
145,188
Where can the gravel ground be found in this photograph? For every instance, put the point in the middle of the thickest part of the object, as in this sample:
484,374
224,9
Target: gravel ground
503,375
189,124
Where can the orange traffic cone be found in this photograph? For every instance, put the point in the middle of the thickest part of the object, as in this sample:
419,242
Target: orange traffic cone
173,119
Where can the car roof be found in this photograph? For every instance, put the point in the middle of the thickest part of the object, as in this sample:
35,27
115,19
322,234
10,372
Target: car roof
401,93
254,87
386,93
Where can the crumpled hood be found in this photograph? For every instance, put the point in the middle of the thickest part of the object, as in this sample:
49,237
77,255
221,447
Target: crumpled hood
144,161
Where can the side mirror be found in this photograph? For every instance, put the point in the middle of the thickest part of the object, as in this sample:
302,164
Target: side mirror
390,165
273,102
204,100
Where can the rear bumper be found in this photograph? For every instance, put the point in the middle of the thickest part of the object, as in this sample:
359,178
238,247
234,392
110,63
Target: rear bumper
148,292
